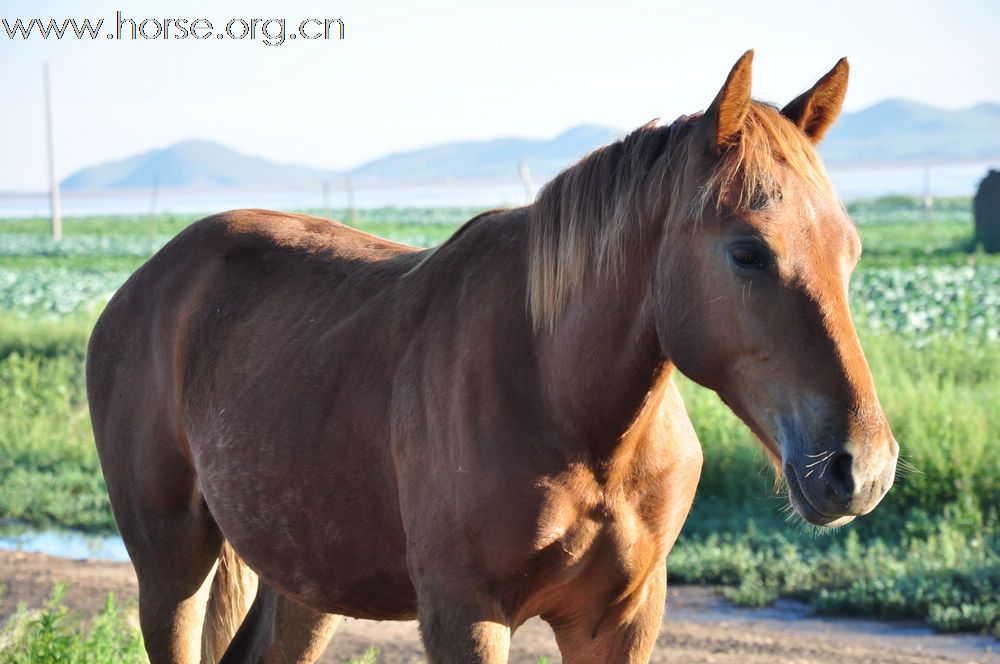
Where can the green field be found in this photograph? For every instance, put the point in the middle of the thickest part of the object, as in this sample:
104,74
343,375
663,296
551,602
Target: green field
927,306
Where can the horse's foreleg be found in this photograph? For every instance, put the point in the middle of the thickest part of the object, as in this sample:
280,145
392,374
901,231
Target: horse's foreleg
628,642
455,629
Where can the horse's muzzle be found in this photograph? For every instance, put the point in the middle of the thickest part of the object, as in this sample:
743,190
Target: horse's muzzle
833,489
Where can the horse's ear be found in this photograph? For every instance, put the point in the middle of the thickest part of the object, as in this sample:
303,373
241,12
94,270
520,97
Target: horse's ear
815,110
723,120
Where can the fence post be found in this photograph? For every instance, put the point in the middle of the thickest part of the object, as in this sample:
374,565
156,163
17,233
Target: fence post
529,186
350,202
327,212
54,205
928,198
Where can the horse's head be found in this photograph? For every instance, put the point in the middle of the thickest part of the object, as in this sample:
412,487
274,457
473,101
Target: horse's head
751,295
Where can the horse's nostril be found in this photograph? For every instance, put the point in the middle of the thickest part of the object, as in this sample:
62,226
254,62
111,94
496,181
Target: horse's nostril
840,476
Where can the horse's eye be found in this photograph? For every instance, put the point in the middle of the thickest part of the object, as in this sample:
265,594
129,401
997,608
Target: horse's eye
747,257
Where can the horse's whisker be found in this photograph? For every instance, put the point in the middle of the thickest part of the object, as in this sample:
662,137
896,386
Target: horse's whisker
810,465
826,466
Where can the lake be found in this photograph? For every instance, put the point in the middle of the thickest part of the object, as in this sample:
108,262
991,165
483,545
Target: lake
852,182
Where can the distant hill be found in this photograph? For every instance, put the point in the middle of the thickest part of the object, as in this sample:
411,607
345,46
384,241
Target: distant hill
192,163
894,130
487,159
900,130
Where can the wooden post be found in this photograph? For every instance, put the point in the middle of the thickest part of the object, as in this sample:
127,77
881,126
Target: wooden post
529,186
350,201
54,205
928,199
151,222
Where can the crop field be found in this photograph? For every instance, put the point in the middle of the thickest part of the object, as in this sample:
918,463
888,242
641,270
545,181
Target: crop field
927,307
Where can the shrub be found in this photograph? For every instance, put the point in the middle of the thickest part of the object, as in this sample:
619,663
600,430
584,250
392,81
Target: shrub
45,637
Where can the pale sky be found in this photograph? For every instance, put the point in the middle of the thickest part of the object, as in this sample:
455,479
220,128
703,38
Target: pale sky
411,74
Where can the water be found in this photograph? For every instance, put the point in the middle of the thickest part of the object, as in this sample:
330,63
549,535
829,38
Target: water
140,201
63,543
851,183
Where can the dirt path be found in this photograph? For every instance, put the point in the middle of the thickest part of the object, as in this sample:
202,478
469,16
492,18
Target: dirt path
699,626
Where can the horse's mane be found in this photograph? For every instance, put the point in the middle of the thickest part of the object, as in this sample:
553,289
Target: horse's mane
582,218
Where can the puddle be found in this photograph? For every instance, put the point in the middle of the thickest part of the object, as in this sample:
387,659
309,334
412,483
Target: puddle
63,543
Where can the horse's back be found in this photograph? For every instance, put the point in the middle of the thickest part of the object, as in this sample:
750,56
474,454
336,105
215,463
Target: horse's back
210,265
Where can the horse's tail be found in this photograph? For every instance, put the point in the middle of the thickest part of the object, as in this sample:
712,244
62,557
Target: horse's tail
233,590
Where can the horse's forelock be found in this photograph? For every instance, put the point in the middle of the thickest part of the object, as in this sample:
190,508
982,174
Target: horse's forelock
746,176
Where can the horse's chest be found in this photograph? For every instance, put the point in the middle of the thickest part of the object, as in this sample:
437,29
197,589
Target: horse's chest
602,550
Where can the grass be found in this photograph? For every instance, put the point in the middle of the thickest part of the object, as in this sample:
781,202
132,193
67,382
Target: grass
949,577
369,656
50,635
47,457
925,301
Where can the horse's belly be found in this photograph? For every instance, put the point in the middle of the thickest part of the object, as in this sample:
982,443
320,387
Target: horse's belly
376,589
314,530
350,576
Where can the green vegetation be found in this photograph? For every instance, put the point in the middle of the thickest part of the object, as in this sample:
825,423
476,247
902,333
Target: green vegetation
927,306
369,656
890,210
51,636
47,457
949,577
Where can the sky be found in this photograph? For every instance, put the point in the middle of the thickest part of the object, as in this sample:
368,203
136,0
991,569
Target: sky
411,74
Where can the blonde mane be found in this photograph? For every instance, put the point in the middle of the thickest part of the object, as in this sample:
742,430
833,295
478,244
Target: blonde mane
583,217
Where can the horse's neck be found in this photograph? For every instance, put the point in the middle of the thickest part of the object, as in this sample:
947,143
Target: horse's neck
603,358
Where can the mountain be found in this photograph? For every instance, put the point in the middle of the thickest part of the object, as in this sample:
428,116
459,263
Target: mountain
192,163
900,130
487,159
893,130
199,163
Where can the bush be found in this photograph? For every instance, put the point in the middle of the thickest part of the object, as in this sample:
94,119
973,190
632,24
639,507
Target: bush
45,637
951,578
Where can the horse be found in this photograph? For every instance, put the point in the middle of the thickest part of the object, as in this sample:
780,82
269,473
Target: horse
489,430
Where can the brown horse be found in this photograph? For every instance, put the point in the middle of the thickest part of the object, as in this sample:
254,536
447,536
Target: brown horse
487,431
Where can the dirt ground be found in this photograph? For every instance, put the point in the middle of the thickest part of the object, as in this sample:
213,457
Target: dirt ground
699,626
